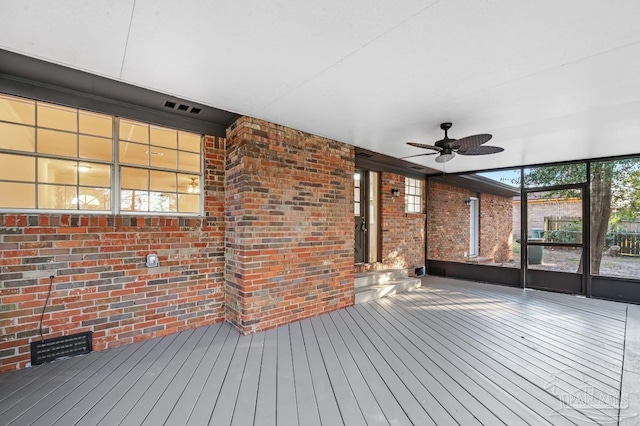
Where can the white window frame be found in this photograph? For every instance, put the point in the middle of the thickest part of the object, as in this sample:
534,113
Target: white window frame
413,195
114,164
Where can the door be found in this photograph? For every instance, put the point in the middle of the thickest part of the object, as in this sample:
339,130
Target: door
554,239
474,223
359,211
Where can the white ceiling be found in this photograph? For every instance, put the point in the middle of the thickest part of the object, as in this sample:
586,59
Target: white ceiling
551,80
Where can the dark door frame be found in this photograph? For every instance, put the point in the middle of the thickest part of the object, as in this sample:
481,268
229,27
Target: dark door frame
360,221
562,277
364,220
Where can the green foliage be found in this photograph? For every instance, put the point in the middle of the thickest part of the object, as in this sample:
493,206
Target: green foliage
562,174
571,233
626,195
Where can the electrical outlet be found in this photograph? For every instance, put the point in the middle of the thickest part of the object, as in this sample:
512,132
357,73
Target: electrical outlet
152,261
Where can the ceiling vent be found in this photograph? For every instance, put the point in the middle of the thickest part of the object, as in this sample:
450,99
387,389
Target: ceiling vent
182,107
417,168
364,154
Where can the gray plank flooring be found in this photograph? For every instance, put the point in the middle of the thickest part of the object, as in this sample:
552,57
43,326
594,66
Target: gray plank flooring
450,353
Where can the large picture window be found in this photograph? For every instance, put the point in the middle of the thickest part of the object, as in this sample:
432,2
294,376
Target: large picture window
59,158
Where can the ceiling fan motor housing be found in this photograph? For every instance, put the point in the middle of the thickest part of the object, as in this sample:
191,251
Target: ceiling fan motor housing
448,147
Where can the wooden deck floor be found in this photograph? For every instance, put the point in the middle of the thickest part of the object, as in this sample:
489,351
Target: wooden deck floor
452,352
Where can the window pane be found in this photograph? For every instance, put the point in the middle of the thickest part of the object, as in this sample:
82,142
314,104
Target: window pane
93,199
95,174
162,202
163,158
57,171
510,178
95,148
133,153
562,174
57,117
17,167
134,178
57,143
189,141
162,181
499,224
134,200
189,162
164,137
57,197
615,218
95,124
189,184
560,259
17,137
23,195
17,110
134,131
413,195
188,203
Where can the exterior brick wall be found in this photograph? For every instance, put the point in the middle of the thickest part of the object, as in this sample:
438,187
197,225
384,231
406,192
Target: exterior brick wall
496,240
289,232
448,224
539,209
403,234
101,281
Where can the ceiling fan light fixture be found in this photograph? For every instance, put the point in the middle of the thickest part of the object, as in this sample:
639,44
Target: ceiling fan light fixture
193,187
445,156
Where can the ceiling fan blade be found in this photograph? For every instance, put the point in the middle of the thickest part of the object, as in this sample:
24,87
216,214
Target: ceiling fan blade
425,146
418,155
471,141
480,150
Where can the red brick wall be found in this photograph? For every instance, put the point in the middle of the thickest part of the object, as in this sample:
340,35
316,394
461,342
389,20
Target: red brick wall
539,209
496,228
289,235
403,234
101,281
448,224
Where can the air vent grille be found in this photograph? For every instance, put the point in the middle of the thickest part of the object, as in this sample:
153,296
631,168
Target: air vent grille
364,154
182,107
417,168
58,347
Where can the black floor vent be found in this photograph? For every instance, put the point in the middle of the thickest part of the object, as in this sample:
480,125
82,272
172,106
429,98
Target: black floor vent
58,347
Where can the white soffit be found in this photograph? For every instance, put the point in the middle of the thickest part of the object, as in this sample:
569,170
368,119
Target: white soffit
550,80
86,35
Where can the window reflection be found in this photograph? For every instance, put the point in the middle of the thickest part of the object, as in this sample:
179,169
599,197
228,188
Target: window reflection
59,158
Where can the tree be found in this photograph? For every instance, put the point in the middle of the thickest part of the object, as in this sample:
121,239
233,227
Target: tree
615,186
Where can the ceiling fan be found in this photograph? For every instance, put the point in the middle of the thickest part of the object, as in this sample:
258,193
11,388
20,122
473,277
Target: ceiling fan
447,147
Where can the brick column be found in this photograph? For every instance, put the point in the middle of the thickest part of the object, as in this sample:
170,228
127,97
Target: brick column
289,225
